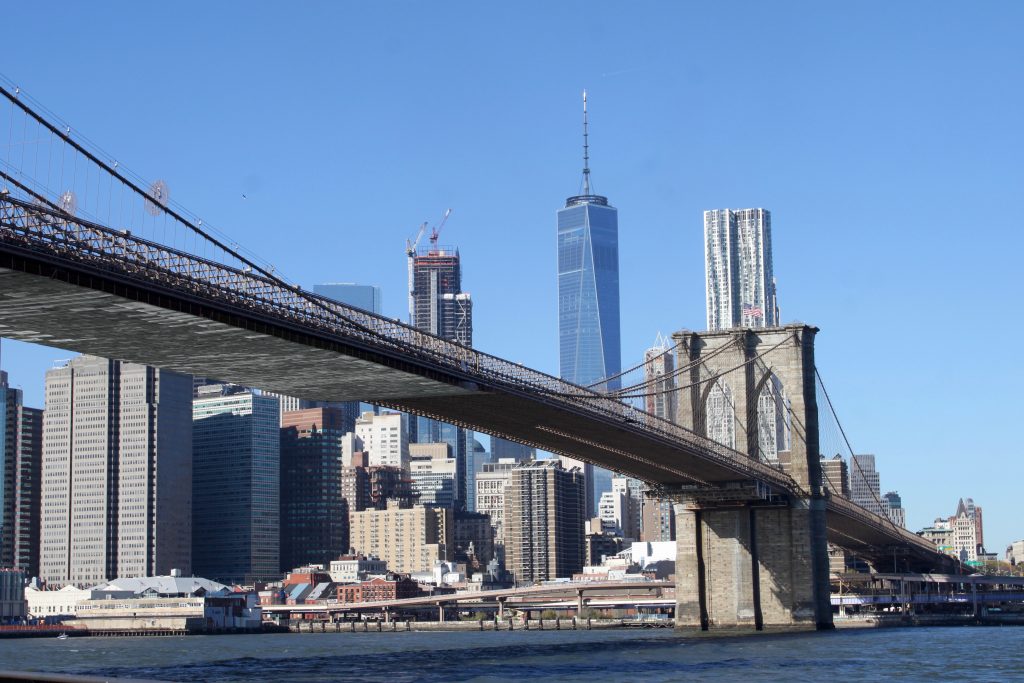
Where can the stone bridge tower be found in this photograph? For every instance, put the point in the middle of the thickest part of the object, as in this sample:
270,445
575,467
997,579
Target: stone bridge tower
749,557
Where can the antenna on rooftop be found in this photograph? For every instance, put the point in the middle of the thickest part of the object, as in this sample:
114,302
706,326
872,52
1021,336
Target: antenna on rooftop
586,149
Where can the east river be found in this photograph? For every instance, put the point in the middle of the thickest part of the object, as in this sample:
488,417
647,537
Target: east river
921,654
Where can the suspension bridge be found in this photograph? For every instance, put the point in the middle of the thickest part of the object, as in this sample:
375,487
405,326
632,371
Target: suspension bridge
96,260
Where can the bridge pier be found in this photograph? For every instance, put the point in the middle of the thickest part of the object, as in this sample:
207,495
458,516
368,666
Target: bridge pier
752,566
750,557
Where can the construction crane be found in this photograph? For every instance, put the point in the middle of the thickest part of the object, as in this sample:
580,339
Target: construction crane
436,232
410,252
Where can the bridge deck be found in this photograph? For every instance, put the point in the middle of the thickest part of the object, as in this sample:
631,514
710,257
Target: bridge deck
87,288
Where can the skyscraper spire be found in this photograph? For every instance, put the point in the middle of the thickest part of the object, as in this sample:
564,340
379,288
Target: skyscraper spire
586,149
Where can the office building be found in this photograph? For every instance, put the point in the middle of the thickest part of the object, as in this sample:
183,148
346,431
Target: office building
659,380
473,538
384,438
865,488
739,280
492,484
355,483
407,539
967,532
433,472
545,510
366,297
835,476
658,520
314,515
21,452
236,485
974,512
588,299
893,506
503,449
116,472
1015,553
634,491
477,458
366,487
615,512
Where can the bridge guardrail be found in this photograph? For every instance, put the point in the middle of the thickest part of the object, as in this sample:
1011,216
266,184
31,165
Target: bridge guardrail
46,231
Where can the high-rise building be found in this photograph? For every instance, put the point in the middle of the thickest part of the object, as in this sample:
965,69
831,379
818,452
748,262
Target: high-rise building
659,521
865,487
366,487
21,451
314,515
491,488
478,457
116,472
408,539
634,491
348,411
384,438
893,505
433,471
588,299
965,535
503,449
835,476
438,305
544,517
473,539
739,280
615,511
659,381
366,297
974,512
236,485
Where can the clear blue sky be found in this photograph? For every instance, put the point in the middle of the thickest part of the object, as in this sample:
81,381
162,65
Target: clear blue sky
884,137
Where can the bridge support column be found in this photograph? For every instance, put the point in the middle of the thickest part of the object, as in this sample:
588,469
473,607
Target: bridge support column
752,566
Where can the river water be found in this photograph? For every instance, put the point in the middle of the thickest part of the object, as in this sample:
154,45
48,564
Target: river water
918,654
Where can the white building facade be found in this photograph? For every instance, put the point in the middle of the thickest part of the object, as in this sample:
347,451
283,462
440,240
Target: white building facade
739,278
384,438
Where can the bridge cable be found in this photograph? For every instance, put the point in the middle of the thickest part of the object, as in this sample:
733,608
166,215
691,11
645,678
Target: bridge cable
269,274
853,457
709,379
667,376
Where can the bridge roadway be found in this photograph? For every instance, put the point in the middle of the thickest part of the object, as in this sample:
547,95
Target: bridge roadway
479,596
81,286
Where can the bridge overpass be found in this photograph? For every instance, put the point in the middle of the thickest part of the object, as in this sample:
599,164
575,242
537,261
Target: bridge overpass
77,284
577,590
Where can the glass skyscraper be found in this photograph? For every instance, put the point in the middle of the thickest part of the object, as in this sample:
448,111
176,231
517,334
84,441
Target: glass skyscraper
366,297
236,485
588,295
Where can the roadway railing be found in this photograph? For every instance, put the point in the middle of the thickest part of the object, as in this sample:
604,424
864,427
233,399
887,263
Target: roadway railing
42,230
882,524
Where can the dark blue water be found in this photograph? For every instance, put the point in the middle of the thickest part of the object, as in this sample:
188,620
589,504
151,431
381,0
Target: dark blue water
916,654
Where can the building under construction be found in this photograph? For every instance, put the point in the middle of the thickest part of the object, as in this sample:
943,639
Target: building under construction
439,305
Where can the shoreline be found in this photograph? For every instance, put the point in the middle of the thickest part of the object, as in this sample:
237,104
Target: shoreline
511,625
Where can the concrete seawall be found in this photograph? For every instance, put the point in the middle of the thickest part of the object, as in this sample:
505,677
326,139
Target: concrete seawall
570,624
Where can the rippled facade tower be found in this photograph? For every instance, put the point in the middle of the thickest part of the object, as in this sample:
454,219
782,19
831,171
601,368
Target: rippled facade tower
588,295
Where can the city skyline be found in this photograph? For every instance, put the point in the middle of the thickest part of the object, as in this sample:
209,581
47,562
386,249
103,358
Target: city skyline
849,285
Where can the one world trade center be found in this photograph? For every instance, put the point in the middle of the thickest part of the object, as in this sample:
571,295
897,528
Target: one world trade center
588,298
